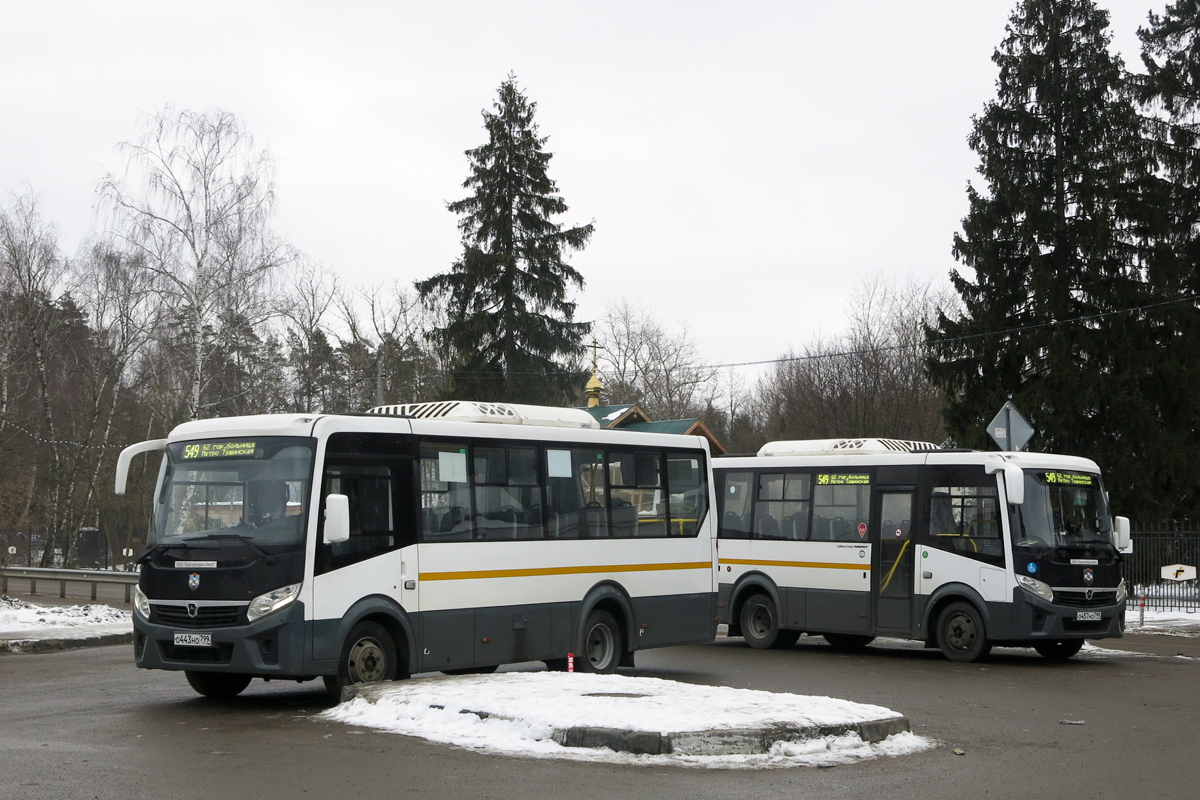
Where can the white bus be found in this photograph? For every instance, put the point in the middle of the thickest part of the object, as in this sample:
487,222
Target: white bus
439,536
857,538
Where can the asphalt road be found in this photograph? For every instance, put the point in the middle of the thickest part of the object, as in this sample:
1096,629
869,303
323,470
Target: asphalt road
87,724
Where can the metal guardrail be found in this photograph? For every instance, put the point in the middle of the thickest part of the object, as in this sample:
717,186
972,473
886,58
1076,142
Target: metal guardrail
65,576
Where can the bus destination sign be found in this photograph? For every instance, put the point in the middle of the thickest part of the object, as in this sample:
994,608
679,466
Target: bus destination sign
1070,479
239,449
843,480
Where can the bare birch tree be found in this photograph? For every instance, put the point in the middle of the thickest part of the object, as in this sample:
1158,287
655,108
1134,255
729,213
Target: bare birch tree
196,203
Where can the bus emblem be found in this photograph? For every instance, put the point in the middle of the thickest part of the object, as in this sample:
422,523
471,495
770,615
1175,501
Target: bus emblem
1087,576
194,581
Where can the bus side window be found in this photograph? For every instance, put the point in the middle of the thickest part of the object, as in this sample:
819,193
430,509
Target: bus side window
734,501
445,492
373,513
688,487
576,494
508,499
965,520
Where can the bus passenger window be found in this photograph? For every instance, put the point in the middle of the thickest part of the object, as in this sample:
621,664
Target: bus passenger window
734,502
688,501
508,499
635,497
838,510
576,494
445,493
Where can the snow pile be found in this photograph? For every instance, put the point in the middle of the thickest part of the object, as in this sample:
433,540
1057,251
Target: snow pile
18,616
517,713
1174,623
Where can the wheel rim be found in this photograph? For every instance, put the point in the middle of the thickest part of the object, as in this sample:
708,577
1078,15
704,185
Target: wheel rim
960,632
761,622
600,646
367,661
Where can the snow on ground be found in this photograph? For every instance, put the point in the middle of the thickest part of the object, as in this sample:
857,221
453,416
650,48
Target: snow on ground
22,618
1173,623
516,714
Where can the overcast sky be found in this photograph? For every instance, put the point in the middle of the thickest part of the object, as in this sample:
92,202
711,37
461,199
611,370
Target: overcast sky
746,165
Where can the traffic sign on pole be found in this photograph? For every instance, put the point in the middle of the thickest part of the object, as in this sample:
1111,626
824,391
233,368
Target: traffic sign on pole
1009,430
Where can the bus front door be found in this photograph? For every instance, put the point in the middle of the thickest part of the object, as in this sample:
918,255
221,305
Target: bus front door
892,572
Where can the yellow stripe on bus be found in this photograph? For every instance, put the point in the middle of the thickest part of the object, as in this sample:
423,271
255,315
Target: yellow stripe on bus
540,571
864,566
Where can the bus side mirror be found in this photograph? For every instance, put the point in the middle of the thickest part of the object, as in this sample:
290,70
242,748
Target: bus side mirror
1014,481
1121,524
337,518
127,455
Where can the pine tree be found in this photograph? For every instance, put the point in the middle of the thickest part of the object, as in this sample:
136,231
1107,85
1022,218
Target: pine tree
1169,93
1054,243
511,334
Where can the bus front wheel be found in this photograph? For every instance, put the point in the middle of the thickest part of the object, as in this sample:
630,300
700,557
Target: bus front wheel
368,655
961,635
217,685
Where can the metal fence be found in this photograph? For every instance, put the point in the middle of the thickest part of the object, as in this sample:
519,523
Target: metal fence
1155,547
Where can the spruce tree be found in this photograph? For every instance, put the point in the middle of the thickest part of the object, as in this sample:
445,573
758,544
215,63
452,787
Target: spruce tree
1169,93
1053,245
510,333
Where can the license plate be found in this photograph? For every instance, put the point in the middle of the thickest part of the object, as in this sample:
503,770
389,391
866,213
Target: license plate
1080,616
197,639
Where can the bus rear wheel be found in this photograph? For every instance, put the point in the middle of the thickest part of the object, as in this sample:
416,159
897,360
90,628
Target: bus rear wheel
369,654
960,633
217,685
1060,650
601,645
760,625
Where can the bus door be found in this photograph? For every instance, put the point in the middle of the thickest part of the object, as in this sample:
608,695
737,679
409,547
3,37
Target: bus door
892,513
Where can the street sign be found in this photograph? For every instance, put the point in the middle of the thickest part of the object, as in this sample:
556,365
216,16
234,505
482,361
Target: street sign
1009,430
1178,572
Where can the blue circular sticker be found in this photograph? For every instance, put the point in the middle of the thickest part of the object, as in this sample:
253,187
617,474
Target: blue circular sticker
1032,568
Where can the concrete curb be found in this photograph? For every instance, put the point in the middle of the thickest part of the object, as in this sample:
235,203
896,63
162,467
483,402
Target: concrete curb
57,644
717,742
722,742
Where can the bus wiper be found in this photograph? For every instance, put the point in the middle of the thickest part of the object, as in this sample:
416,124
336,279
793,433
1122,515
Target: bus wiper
244,540
144,557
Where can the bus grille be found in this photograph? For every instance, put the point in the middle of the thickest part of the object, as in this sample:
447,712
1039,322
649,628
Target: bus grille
220,653
206,616
1079,598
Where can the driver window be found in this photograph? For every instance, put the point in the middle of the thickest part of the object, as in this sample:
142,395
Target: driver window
373,513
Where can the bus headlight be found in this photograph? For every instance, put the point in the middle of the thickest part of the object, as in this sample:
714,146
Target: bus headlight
271,602
1120,592
141,603
1034,586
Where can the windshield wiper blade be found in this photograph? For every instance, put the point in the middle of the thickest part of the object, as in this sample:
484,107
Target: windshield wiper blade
244,540
144,557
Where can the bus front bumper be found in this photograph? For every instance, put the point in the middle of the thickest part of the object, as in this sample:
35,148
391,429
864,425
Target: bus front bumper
269,647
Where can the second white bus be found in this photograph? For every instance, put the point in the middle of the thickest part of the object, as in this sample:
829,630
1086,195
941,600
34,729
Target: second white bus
857,538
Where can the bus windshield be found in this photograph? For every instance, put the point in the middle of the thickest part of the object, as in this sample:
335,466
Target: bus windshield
1063,510
255,488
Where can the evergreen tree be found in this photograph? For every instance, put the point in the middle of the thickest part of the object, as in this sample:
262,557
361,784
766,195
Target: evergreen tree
511,334
1054,245
1170,96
